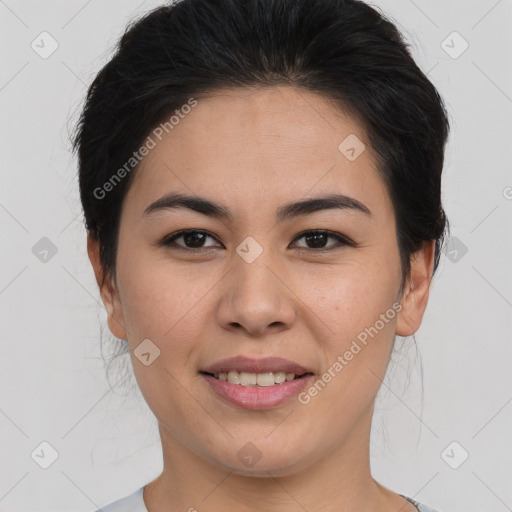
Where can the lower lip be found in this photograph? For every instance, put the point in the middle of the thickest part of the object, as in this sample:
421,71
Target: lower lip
257,397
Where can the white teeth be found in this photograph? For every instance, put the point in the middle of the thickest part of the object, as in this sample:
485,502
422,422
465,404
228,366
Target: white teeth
265,379
234,377
248,379
255,379
280,377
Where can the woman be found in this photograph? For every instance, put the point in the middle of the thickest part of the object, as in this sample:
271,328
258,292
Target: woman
261,187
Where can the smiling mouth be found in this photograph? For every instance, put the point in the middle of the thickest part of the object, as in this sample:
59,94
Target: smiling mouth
248,379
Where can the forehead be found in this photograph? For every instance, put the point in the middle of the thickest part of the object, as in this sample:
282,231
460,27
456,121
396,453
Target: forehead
250,145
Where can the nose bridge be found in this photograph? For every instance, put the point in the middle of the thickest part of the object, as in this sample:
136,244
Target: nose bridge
252,268
255,298
254,282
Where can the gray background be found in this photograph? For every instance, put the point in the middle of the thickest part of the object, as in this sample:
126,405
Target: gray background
53,384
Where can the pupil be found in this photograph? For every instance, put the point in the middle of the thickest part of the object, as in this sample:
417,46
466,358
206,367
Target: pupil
317,237
188,236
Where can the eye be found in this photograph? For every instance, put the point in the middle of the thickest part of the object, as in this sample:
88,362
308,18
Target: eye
318,238
194,239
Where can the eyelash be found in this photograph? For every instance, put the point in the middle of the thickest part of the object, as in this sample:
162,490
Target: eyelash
170,239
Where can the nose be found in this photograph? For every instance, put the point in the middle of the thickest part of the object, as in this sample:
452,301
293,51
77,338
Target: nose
256,297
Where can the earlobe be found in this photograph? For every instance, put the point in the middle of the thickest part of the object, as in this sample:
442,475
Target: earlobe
415,296
108,291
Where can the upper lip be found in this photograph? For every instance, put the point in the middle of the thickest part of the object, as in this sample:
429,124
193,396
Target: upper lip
251,365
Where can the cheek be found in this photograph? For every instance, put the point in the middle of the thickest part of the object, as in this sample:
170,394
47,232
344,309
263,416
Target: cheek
354,331
163,302
352,296
357,306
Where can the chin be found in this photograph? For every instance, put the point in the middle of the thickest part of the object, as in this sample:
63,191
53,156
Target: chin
250,461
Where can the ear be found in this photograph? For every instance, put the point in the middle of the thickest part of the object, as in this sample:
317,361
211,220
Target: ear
415,295
108,291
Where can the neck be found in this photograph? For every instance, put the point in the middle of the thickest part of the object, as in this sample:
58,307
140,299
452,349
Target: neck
340,480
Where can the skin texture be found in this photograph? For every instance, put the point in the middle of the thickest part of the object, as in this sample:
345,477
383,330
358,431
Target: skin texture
254,150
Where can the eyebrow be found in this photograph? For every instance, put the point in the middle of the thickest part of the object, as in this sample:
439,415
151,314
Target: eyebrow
174,200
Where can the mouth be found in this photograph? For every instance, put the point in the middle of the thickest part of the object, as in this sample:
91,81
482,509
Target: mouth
256,384
263,379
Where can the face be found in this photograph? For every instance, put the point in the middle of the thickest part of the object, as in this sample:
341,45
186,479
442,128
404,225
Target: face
259,283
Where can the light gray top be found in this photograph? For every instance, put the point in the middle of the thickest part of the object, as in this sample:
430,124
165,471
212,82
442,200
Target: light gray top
135,503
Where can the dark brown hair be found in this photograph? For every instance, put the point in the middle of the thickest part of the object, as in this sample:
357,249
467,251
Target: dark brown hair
344,49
